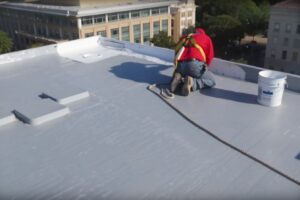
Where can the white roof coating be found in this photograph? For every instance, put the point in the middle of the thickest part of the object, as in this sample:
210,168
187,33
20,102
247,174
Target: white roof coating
123,142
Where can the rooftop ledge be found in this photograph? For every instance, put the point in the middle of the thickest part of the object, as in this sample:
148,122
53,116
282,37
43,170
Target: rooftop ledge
88,50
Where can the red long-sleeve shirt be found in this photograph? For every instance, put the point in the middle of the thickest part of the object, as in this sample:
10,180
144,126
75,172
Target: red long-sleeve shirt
191,52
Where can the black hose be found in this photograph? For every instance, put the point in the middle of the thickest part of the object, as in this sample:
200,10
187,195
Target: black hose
255,159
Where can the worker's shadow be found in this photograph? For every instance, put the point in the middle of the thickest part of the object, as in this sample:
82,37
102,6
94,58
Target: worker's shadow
230,95
143,73
297,156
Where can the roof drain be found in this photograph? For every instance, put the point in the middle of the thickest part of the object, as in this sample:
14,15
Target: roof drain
182,114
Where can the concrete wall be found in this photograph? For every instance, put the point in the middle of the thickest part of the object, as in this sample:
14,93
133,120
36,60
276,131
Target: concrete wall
249,73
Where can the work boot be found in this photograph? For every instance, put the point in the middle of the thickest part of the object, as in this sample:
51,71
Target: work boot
187,86
175,82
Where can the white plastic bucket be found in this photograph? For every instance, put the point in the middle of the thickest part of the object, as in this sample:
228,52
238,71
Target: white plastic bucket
270,87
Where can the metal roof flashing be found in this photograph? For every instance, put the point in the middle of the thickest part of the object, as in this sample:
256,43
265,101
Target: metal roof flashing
77,121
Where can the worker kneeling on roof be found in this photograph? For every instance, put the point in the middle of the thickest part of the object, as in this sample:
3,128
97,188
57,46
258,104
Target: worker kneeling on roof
193,54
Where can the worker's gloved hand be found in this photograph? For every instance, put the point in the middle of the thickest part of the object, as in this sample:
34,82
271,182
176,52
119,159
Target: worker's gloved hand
205,68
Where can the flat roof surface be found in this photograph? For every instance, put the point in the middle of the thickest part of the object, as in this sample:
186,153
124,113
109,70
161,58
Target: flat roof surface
123,142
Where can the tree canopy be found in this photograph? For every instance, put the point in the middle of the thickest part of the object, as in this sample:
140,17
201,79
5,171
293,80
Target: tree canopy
229,20
163,40
5,43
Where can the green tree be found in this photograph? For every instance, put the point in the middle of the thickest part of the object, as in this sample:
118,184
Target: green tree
224,29
163,40
254,19
234,18
6,43
190,29
35,45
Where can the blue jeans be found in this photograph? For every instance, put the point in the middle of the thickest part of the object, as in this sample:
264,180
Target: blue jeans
202,78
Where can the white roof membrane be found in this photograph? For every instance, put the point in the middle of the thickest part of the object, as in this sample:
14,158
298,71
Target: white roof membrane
123,142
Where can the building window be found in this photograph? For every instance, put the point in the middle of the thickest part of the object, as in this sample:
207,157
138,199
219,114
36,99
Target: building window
123,15
146,33
183,14
296,43
163,10
288,28
57,34
125,33
87,21
64,22
156,27
73,22
164,26
298,29
285,41
276,27
66,35
112,17
39,30
99,19
51,18
295,56
89,34
273,54
145,13
155,11
75,35
135,14
102,33
284,55
275,39
114,33
137,33
190,13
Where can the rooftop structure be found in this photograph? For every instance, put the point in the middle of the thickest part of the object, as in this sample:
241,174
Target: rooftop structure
57,21
77,122
289,4
283,47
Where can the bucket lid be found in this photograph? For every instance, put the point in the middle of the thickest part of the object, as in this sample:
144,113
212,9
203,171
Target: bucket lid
272,75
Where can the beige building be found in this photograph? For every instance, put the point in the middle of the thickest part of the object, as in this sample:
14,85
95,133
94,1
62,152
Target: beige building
53,21
283,48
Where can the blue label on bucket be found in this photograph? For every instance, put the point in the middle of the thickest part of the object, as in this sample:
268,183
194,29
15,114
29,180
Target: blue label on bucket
268,92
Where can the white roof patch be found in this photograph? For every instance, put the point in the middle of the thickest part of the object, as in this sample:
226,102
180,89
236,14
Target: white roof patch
6,117
41,111
65,94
